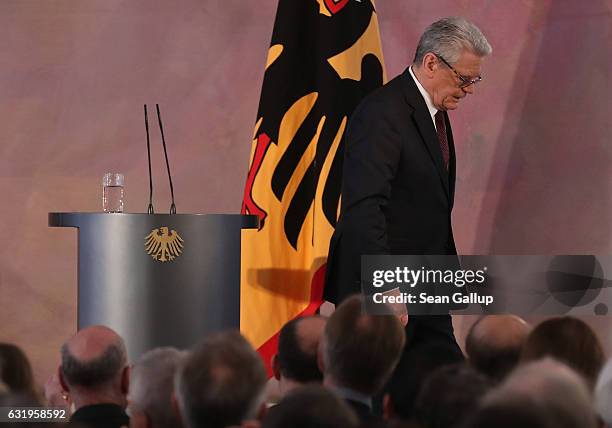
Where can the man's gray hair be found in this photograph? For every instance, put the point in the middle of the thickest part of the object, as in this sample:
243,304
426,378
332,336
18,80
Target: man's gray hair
554,390
151,385
449,37
221,383
97,372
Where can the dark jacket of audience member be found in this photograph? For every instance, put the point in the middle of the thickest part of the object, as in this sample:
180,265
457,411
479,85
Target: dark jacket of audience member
311,406
221,383
95,372
359,352
570,341
494,344
15,369
449,396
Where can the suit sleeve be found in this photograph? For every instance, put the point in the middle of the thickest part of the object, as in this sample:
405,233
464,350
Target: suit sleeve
372,156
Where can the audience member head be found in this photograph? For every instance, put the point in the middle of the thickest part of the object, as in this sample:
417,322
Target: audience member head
449,396
94,367
15,369
494,344
296,360
544,393
359,350
151,387
603,395
570,341
410,374
220,383
311,406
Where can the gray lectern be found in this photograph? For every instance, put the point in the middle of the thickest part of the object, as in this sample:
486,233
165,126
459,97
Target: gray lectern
158,279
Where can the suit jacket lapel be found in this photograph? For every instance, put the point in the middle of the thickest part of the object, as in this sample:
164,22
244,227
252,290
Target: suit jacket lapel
426,128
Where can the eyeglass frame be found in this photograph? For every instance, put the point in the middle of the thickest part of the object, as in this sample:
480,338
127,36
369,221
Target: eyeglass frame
465,81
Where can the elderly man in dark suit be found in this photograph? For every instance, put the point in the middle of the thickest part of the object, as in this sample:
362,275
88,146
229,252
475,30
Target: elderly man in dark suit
399,166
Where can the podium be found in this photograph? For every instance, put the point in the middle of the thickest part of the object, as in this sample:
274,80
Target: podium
158,279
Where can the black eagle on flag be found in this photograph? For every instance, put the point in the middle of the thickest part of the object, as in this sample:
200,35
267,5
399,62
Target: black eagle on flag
325,56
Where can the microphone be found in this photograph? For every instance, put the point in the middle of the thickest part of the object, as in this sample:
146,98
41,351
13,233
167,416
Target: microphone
161,129
150,210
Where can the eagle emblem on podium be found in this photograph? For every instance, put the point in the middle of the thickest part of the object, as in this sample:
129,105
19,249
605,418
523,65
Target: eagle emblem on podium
164,244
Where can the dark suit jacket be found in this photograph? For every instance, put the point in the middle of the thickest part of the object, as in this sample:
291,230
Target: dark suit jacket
397,196
101,416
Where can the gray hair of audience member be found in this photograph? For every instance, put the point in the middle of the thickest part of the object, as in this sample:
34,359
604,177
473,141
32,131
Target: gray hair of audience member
311,406
552,389
449,37
361,350
603,394
97,372
494,344
220,383
152,384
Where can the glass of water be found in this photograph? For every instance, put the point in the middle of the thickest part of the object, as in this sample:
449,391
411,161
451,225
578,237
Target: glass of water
112,192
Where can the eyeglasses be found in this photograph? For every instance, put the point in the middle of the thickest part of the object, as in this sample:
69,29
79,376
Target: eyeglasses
465,80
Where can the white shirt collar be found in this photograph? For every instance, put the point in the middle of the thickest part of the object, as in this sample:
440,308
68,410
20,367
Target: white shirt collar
426,96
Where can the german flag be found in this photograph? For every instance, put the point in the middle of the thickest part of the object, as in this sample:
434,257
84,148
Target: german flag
325,56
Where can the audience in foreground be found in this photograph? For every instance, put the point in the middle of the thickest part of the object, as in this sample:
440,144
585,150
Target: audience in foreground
94,370
151,389
494,343
220,384
359,352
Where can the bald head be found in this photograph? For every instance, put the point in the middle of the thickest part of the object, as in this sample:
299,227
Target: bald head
494,344
309,331
92,342
94,362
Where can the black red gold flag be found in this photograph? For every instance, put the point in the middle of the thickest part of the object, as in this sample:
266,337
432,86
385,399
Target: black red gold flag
325,56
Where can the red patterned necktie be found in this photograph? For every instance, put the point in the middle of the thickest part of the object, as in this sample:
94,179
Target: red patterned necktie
442,139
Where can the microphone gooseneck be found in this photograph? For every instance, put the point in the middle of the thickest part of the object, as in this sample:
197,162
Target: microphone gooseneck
161,129
150,210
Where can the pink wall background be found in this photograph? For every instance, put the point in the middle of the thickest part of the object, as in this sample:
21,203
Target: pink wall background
533,144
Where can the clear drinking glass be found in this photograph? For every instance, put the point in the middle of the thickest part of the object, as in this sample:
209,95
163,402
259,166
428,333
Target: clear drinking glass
112,192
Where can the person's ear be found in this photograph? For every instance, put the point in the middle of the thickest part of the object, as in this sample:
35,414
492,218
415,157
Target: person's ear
276,367
125,380
429,64
62,381
388,411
